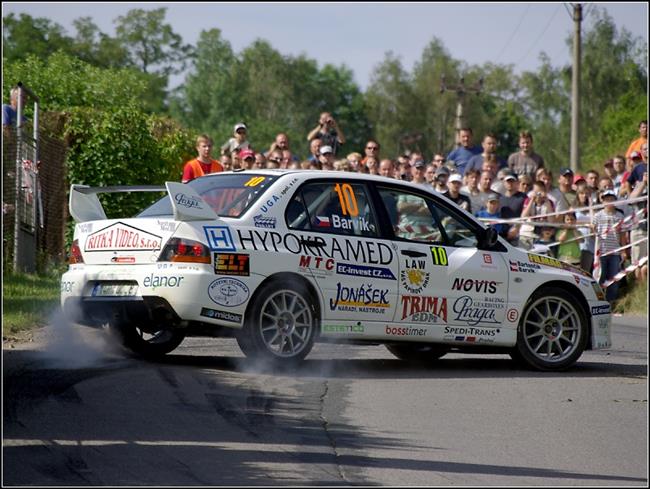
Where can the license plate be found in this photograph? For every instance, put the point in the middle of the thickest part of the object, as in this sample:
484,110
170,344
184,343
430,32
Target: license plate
115,290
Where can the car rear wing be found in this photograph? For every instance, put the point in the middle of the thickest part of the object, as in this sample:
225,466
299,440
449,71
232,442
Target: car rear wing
186,203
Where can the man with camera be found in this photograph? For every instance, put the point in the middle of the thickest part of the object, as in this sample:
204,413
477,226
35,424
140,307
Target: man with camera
328,131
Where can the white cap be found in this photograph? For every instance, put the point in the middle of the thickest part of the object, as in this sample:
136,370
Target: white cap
240,125
325,149
455,177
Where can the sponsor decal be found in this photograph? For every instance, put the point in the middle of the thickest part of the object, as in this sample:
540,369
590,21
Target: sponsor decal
351,250
288,186
219,238
468,339
232,264
155,281
352,223
340,328
264,222
164,266
523,267
398,331
473,313
363,298
67,286
470,284
364,271
487,258
413,277
187,201
603,324
424,309
223,315
475,335
122,237
545,260
316,262
169,226
322,222
512,315
598,310
269,203
86,227
228,292
439,256
123,259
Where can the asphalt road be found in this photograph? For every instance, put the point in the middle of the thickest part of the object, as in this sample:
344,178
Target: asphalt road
78,412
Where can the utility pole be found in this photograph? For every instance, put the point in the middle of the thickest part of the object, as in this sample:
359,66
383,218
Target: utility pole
461,90
575,89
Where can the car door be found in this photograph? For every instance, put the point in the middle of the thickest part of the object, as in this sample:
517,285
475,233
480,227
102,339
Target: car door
355,270
448,289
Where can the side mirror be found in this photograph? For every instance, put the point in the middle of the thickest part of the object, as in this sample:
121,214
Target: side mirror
490,238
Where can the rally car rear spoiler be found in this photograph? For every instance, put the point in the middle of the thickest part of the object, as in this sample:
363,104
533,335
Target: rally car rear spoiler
186,203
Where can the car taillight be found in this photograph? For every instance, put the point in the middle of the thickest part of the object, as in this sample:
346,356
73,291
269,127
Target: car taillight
75,253
185,250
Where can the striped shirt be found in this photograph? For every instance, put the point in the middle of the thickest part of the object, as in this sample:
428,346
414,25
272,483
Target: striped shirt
608,227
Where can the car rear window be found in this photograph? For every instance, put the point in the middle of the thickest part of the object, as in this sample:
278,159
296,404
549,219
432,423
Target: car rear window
229,195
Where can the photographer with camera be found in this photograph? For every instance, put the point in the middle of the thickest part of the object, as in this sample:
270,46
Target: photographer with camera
328,131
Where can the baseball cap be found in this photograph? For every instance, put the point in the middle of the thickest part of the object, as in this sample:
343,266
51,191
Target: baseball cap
608,193
634,155
455,177
246,153
240,125
419,164
566,171
443,170
510,176
325,149
493,197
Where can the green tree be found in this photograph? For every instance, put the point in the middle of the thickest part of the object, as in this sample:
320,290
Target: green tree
94,47
152,44
25,35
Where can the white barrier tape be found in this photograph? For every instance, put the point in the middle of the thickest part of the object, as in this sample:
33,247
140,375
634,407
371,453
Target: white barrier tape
624,247
582,209
619,276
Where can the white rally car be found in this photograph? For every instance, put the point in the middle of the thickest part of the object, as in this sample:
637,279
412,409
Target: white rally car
280,259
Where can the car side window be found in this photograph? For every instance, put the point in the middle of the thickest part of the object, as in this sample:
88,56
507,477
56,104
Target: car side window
410,216
418,218
336,207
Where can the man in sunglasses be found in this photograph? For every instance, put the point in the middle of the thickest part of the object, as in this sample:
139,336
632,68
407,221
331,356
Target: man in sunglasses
371,149
237,143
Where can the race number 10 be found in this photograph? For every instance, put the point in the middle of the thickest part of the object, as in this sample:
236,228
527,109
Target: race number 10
347,199
439,256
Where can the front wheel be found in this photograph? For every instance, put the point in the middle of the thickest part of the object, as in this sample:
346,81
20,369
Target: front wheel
281,324
417,353
146,343
553,331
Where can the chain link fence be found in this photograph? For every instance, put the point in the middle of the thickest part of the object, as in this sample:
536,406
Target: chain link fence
34,192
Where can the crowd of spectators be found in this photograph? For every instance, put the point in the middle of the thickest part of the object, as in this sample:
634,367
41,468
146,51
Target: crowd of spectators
581,219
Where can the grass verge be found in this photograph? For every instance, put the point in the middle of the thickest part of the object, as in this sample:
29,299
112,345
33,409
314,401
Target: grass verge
28,301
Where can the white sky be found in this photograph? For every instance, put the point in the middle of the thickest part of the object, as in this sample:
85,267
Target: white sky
358,35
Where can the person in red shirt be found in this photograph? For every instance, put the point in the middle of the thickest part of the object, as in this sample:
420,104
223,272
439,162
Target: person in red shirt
203,163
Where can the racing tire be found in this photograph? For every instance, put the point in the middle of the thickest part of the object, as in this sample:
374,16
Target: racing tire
280,325
553,331
147,344
415,353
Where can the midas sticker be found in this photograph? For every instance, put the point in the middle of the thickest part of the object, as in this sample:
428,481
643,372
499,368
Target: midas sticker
439,256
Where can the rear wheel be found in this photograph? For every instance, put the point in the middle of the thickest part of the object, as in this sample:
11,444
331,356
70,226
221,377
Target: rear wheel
417,353
281,324
147,343
553,331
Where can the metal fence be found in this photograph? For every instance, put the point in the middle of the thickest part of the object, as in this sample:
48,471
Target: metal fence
34,192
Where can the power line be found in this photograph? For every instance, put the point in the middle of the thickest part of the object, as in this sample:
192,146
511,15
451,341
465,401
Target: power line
513,34
540,36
